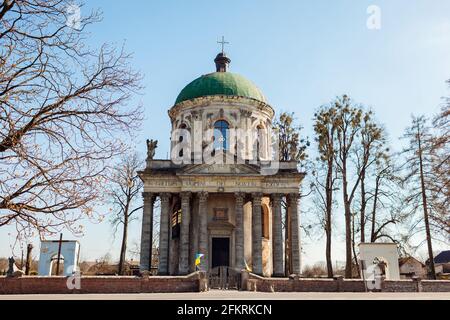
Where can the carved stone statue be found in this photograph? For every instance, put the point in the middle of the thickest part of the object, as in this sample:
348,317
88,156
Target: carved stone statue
151,148
11,270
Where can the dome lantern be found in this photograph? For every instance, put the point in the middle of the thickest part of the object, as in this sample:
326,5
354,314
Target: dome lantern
222,62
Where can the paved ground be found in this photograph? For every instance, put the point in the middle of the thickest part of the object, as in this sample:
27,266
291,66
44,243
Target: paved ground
236,295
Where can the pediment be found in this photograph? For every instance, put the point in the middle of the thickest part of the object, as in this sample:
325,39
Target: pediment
214,169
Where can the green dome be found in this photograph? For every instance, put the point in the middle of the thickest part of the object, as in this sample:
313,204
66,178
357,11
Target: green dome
220,83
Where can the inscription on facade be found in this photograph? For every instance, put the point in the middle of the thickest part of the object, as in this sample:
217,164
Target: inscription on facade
245,184
224,184
163,183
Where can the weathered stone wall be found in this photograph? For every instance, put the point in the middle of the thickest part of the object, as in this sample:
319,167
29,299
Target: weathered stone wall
435,286
399,286
196,283
106,285
256,283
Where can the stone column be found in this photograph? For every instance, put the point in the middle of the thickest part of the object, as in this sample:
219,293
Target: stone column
277,234
164,235
184,232
257,234
295,233
239,233
192,241
203,230
147,232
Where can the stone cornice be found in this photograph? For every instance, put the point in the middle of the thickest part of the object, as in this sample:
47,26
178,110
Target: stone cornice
286,184
220,100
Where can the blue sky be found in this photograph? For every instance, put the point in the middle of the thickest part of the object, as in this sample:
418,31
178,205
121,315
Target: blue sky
300,53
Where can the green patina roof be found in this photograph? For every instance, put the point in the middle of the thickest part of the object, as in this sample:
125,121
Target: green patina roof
220,83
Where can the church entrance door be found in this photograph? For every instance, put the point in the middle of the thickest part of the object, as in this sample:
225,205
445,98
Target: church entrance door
220,252
221,275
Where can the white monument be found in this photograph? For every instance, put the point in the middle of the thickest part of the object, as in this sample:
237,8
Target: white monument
372,254
49,255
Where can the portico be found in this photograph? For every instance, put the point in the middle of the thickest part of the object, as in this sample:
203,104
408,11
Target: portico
244,208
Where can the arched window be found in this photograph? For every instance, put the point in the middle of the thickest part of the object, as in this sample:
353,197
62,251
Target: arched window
181,138
54,265
221,128
261,143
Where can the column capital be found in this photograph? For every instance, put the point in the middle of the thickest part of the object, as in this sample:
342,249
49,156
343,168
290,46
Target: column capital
148,195
165,196
276,197
186,195
257,195
240,196
294,197
203,196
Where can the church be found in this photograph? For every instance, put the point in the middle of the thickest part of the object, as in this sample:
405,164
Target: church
223,192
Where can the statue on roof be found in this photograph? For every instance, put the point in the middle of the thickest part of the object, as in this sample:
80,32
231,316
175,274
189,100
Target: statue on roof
151,148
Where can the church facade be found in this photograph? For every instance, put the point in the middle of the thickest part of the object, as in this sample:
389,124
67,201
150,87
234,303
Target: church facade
223,189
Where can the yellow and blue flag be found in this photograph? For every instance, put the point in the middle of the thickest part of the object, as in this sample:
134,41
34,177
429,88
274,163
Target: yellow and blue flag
198,259
247,267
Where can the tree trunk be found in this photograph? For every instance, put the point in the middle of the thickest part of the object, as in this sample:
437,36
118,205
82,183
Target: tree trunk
123,248
348,225
374,210
355,257
363,207
328,222
328,254
425,212
28,261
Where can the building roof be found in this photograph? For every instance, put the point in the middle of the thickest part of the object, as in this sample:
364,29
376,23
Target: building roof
443,257
404,260
221,83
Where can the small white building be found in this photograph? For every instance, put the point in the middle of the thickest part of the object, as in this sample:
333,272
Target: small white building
411,267
382,255
442,263
68,257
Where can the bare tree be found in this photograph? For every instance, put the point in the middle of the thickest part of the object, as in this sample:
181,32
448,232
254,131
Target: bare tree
359,145
348,123
325,174
368,152
418,176
62,111
385,202
440,187
292,146
126,190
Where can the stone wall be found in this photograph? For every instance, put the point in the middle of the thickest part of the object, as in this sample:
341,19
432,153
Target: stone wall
400,286
253,282
105,285
435,286
196,283
256,283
